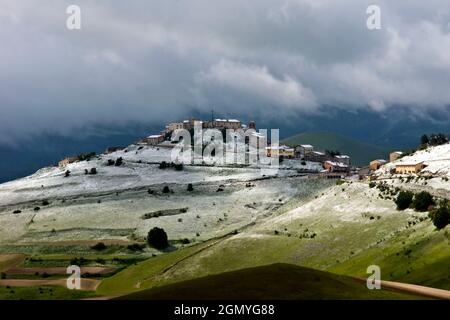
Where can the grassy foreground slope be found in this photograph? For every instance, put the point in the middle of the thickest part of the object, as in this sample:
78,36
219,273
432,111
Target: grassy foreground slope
276,281
345,230
360,152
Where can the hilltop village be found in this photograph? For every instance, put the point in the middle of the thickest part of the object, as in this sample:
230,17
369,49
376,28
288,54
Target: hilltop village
333,164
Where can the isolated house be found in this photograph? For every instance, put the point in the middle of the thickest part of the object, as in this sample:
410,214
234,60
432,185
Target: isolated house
409,167
280,151
224,124
174,126
395,155
316,156
343,159
189,124
154,139
376,164
333,166
252,125
303,149
363,172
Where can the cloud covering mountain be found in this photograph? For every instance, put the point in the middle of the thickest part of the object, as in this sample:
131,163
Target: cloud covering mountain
162,59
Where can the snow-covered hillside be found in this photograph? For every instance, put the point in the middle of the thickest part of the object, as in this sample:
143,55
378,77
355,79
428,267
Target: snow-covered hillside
436,159
434,178
140,168
113,203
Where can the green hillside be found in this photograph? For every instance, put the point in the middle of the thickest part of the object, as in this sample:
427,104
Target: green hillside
271,282
361,153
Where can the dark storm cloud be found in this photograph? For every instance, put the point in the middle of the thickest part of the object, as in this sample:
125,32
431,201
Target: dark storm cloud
156,60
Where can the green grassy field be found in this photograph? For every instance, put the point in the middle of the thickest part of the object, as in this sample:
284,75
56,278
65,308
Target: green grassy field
361,153
43,293
272,282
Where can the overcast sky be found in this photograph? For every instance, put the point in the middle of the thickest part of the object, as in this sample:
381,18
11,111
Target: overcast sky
159,60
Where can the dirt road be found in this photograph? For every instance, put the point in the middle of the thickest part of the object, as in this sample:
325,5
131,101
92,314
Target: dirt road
416,289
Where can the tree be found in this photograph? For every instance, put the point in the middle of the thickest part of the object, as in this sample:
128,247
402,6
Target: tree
99,246
190,187
441,215
163,165
404,200
119,162
157,238
166,189
93,171
424,139
438,139
422,201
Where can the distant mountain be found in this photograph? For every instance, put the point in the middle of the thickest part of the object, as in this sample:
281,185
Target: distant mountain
361,153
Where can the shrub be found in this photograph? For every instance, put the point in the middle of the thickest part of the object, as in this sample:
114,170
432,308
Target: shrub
179,166
118,162
441,215
422,201
2,275
93,171
303,163
67,173
157,238
78,261
404,200
372,184
17,211
166,189
45,203
99,246
110,162
150,191
190,187
86,156
185,241
163,165
37,209
135,247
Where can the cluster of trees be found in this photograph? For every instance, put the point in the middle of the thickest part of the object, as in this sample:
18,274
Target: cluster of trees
423,201
441,215
433,139
92,171
419,202
117,163
86,156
